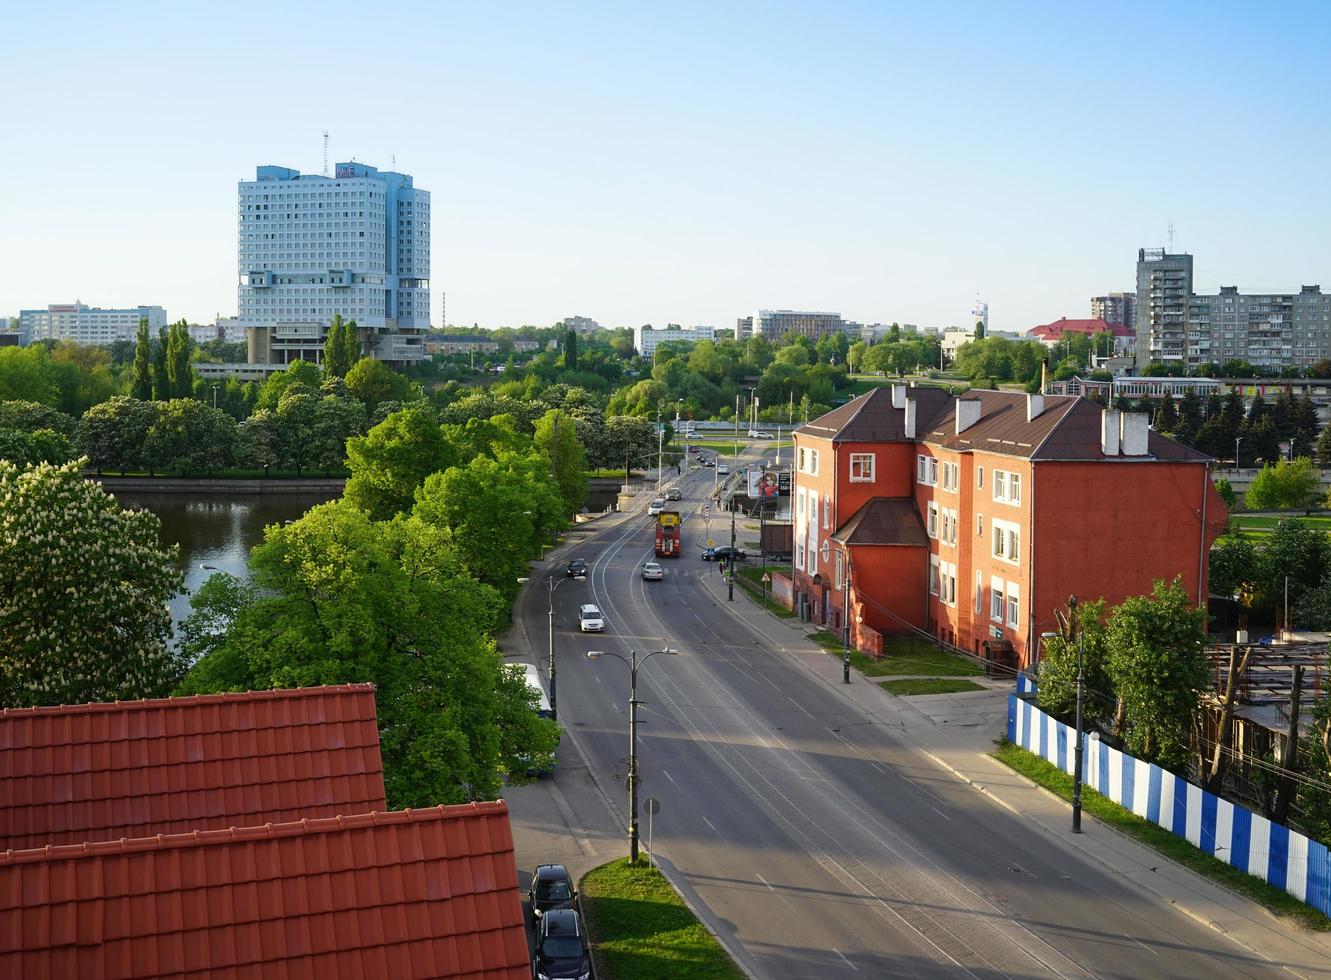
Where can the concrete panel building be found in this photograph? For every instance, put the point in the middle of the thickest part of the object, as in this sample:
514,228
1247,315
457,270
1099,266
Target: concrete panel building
310,246
1116,309
647,340
86,324
775,324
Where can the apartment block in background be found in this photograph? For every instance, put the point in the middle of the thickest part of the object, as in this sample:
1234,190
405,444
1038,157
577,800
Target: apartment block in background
973,519
87,324
1116,309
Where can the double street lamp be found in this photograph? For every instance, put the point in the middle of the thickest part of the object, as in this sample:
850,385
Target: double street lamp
633,662
551,585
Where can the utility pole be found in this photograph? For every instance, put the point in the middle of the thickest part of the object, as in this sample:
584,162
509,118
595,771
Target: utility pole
1081,693
633,663
731,562
660,437
554,466
845,616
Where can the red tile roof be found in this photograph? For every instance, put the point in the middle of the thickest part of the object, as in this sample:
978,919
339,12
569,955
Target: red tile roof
97,772
1055,330
416,893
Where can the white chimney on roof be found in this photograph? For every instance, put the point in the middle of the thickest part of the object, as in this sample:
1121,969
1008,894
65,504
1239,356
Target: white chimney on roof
1134,429
968,413
1034,406
1109,426
910,418
898,396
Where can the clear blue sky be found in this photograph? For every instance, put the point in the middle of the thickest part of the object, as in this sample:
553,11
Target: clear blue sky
680,162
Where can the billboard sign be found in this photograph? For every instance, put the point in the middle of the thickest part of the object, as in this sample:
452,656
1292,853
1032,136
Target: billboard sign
764,485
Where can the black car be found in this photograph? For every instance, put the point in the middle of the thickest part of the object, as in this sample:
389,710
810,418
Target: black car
551,888
725,551
673,494
576,568
561,948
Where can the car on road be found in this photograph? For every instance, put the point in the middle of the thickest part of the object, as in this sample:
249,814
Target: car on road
673,494
652,571
576,568
722,469
763,435
655,507
550,888
561,948
725,551
694,449
709,461
590,619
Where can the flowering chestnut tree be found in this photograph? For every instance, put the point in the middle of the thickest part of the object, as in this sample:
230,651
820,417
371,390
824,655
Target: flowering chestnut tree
83,592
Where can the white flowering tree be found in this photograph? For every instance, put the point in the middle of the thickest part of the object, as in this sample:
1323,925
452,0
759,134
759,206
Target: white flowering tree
83,592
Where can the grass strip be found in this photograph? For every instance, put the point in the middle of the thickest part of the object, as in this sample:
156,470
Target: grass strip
905,656
1177,849
640,929
761,596
907,686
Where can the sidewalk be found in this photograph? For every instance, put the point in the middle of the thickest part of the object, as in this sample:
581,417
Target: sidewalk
958,731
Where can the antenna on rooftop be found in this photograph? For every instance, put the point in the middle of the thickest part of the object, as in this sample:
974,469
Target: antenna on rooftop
1171,237
325,153
394,164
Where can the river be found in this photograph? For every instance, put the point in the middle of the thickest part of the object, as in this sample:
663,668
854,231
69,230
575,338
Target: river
216,529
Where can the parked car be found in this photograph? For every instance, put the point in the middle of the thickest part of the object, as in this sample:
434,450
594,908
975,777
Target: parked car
725,551
655,507
590,619
550,888
561,948
576,568
673,494
652,571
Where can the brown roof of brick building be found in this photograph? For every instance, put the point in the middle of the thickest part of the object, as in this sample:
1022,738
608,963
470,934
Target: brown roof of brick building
884,521
98,772
870,417
1067,428
416,893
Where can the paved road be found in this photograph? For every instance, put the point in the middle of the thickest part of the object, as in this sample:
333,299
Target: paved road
815,844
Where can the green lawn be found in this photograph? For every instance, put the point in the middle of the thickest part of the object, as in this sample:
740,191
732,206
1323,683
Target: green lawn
750,580
723,447
640,929
1177,849
902,655
612,472
930,685
1262,523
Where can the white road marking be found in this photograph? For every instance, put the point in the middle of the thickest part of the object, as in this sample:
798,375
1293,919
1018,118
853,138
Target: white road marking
766,882
666,773
844,960
712,825
940,813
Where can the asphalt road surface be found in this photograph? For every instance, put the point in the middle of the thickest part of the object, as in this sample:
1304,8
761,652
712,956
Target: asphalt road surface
816,850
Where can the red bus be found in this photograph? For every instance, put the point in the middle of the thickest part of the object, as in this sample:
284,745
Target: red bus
667,534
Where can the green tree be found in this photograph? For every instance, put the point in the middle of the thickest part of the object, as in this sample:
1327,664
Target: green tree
1057,689
1304,436
373,381
1295,553
1314,797
1226,491
1261,442
1288,485
142,388
351,352
189,436
855,356
1166,419
26,374
112,435
304,373
1157,663
259,441
570,350
494,510
1233,565
627,440
86,585
161,355
340,598
1324,447
336,364
28,416
31,448
557,440
391,462
1189,418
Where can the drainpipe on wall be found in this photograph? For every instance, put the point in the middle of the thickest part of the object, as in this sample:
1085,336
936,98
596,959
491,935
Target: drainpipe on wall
1203,587
1030,603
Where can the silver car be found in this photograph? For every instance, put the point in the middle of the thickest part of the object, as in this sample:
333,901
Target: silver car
652,571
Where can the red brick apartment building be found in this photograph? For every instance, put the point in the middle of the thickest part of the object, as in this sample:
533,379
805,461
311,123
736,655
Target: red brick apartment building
974,518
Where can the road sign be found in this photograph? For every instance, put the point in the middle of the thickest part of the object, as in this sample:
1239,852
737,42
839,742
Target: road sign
711,543
652,805
766,577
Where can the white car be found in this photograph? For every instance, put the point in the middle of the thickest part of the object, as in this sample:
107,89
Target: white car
652,571
590,619
655,507
722,469
763,435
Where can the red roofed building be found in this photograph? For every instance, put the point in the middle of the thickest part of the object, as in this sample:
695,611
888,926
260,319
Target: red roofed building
1049,334
973,519
97,772
230,835
416,893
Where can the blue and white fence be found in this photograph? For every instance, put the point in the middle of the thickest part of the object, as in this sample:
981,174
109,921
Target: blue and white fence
1232,833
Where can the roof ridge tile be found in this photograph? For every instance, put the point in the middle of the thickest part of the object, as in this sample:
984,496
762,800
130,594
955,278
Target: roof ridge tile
186,701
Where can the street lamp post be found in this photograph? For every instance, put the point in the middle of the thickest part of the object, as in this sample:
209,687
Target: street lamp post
551,585
1081,689
633,663
1237,440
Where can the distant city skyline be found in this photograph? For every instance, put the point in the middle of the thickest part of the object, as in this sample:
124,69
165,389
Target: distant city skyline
888,163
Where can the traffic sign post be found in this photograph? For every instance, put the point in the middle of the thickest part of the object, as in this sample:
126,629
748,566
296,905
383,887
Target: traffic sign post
653,806
766,578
